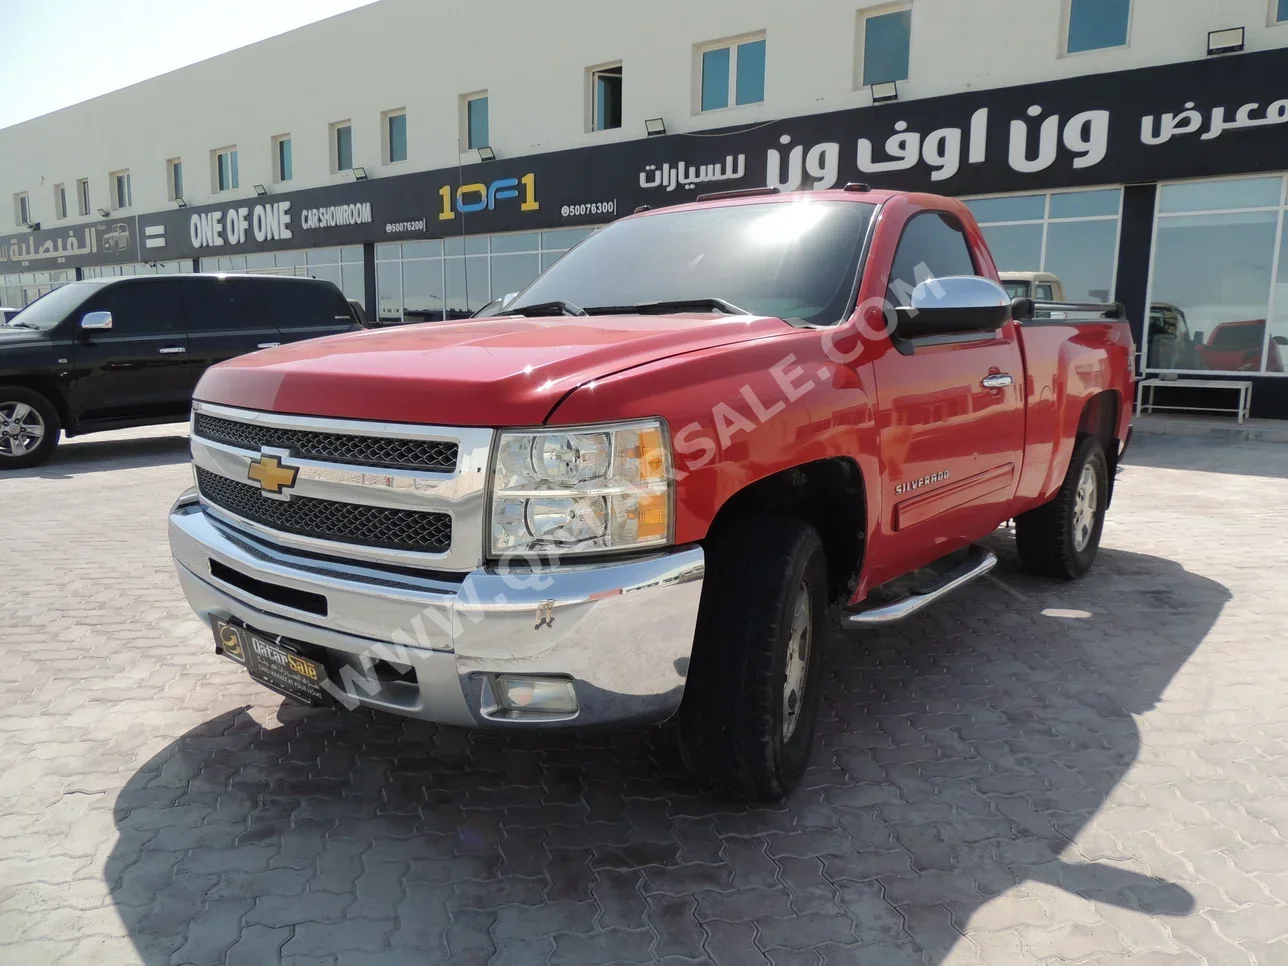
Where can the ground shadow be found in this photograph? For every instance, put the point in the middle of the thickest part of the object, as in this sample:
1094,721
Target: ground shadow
959,755
1234,457
89,454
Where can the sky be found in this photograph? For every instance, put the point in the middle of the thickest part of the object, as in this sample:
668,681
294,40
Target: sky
55,52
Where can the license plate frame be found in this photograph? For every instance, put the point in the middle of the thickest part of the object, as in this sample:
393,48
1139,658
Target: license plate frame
273,663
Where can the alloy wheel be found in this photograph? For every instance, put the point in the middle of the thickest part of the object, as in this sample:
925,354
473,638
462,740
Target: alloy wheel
21,429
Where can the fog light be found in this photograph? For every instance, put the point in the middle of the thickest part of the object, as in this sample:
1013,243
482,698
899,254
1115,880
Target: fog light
536,694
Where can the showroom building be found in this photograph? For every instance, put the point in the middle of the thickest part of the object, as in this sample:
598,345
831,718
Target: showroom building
1135,149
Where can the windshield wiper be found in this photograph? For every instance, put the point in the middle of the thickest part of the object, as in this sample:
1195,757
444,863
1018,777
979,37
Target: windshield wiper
555,307
671,305
15,324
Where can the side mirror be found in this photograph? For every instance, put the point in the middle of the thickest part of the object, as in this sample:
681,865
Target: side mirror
958,303
96,321
1198,337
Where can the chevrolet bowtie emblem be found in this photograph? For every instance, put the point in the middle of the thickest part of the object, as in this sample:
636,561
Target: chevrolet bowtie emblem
271,475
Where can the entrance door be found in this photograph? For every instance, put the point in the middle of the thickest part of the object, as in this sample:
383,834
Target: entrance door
951,412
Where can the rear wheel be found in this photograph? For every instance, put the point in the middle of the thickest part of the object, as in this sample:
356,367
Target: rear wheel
29,428
1060,538
747,720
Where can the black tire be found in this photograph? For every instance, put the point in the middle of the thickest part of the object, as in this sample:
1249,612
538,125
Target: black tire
48,415
731,719
1050,539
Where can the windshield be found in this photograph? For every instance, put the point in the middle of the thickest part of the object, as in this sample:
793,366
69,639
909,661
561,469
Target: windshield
792,260
1016,290
54,306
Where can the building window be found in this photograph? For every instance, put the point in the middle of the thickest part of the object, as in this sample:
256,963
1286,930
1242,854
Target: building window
395,125
174,179
1279,11
733,74
1072,235
341,146
226,176
82,196
606,98
60,201
119,186
1096,24
282,169
1217,301
474,112
885,40
22,209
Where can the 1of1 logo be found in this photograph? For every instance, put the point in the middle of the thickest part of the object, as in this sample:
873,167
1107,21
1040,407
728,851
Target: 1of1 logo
483,197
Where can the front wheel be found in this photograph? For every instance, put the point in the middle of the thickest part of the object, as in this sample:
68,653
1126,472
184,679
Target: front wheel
29,428
1060,538
746,724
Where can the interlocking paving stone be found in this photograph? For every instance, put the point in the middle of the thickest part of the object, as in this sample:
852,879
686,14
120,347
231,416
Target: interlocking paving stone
1034,772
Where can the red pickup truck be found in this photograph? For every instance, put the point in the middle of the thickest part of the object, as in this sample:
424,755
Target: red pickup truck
691,448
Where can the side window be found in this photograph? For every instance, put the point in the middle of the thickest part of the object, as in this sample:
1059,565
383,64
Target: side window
1045,294
933,245
314,305
139,308
213,305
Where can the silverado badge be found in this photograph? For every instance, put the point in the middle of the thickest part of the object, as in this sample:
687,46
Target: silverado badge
273,478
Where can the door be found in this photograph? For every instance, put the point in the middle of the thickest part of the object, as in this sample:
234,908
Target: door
951,413
227,316
139,367
310,308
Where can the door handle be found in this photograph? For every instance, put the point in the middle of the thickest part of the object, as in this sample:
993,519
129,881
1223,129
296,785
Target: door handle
997,380
172,350
269,345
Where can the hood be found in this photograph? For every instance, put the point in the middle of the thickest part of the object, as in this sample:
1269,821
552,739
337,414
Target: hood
481,372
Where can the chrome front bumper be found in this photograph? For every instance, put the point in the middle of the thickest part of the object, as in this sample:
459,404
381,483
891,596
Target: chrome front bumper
621,632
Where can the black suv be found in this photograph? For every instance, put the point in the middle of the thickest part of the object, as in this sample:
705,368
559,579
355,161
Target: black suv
116,352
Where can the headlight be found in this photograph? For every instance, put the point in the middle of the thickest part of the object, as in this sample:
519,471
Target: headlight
586,490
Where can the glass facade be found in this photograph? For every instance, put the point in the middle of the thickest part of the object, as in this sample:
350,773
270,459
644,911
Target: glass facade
887,40
1071,234
22,288
176,267
343,266
451,278
1219,282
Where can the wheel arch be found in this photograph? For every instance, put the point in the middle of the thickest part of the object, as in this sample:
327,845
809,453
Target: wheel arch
1099,418
49,388
830,494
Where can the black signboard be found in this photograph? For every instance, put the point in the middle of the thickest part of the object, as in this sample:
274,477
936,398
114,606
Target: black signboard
97,243
1217,116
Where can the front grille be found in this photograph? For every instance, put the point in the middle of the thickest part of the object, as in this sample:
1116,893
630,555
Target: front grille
431,454
368,526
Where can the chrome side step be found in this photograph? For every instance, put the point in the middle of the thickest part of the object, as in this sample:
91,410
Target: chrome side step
977,563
